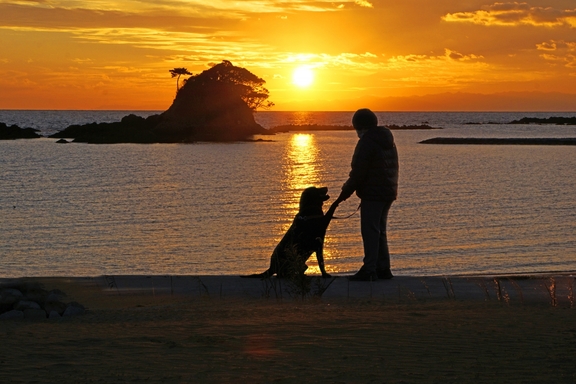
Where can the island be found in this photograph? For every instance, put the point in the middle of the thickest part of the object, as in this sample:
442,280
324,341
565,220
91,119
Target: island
550,120
556,120
500,141
14,132
215,105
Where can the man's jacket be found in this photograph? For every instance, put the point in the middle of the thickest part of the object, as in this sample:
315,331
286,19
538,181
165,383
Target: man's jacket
374,174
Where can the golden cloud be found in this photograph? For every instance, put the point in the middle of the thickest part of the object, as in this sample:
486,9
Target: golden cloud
563,52
514,14
364,3
554,45
197,8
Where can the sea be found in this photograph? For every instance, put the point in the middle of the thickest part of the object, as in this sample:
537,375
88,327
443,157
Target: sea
221,208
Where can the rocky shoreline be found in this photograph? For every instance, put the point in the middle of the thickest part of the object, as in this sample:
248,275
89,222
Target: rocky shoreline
14,132
136,129
30,301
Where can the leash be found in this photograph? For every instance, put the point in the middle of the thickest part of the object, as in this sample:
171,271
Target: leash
349,216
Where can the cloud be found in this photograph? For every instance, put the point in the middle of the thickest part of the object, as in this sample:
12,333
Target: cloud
514,14
554,45
364,3
567,60
460,56
14,16
82,61
449,55
547,46
195,8
559,52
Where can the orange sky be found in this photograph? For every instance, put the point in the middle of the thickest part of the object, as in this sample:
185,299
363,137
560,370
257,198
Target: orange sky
398,55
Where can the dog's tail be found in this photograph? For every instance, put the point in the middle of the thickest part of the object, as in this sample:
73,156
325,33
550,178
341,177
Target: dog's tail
263,275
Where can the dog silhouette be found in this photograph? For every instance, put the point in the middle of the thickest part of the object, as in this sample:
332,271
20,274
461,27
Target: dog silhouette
304,237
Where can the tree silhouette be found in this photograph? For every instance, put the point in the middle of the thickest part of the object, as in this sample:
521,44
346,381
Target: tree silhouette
177,72
217,104
238,81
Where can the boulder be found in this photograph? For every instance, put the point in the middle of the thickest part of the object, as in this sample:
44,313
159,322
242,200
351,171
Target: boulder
26,304
55,306
10,296
26,299
12,315
53,315
55,295
34,314
74,309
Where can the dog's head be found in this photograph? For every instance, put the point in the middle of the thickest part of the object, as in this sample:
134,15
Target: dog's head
313,198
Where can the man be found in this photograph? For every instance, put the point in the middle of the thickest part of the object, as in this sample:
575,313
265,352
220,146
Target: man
374,177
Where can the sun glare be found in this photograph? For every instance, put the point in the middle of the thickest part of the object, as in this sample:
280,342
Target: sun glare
303,76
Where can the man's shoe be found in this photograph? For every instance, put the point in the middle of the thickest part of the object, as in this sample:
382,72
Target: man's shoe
364,276
384,274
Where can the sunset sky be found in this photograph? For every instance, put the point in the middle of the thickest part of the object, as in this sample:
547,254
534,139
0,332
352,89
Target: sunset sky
384,54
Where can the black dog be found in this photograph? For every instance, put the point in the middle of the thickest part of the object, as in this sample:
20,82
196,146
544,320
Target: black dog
304,237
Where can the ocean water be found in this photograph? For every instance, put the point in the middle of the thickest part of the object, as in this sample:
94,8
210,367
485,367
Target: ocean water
220,208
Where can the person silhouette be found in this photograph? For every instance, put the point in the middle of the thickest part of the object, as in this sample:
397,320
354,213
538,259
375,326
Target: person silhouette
374,178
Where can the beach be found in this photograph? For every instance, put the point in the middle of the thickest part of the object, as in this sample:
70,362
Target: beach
227,329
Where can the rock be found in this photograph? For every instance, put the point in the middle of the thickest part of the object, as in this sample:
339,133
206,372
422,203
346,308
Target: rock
132,129
37,295
501,141
11,291
15,132
74,309
55,306
53,315
26,304
10,296
550,120
62,141
55,295
28,299
12,315
34,314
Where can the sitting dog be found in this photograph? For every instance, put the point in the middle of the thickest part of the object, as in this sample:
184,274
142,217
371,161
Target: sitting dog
304,237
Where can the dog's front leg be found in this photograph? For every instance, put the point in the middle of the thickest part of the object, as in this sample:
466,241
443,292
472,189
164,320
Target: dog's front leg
320,257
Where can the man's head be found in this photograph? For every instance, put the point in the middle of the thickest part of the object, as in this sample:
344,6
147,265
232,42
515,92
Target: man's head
364,119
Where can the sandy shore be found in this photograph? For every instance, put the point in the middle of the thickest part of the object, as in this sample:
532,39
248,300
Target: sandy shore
164,336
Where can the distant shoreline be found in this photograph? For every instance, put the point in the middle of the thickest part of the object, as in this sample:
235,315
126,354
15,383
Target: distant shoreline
501,141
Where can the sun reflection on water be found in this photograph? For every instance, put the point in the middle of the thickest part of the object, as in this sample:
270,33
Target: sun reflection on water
301,169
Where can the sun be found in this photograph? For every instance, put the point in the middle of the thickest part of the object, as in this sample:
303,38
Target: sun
303,76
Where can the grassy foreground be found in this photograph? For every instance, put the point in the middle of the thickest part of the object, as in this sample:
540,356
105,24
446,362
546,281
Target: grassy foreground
171,339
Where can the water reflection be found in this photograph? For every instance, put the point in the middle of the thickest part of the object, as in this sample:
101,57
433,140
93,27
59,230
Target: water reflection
301,169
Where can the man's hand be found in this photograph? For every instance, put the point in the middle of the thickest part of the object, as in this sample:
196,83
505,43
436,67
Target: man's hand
341,198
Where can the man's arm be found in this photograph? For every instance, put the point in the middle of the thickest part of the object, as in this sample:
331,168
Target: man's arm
360,165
